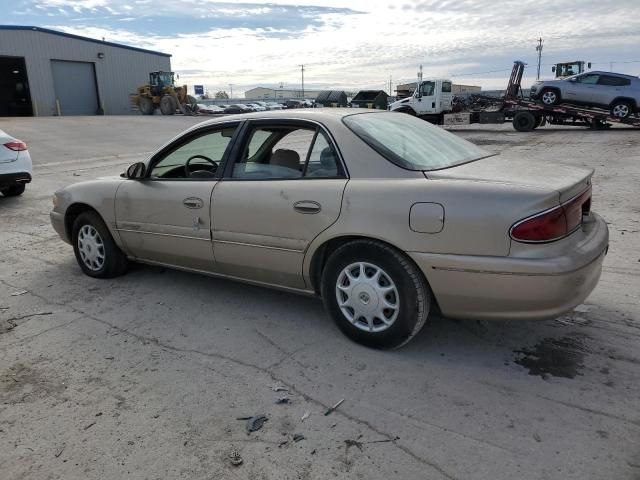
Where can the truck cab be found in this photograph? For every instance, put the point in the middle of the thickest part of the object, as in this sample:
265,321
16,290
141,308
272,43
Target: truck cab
431,97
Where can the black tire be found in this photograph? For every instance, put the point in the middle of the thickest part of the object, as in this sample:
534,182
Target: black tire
13,190
408,111
622,109
115,262
413,299
524,121
550,96
168,105
146,106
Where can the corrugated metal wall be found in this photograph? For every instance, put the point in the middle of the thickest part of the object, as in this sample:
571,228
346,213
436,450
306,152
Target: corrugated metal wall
118,73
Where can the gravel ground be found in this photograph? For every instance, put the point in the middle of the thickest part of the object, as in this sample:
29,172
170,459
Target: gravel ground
144,376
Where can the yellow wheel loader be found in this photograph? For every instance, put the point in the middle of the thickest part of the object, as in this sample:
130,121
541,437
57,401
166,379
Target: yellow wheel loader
161,92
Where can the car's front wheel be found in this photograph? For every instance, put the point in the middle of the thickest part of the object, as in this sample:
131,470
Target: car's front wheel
94,247
375,294
621,109
13,190
550,97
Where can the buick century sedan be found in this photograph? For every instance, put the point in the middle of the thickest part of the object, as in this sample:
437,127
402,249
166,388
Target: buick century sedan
384,216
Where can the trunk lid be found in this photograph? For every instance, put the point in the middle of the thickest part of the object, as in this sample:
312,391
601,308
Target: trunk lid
567,180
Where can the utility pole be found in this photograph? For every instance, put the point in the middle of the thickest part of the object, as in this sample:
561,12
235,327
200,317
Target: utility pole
390,91
539,50
302,72
231,90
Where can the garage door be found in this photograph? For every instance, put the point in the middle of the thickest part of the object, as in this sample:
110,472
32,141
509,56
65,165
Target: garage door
75,86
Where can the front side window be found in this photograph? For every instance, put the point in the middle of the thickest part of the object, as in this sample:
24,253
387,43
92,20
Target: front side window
286,153
427,88
412,143
199,157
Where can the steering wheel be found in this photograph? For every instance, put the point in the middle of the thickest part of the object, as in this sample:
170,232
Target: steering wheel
186,165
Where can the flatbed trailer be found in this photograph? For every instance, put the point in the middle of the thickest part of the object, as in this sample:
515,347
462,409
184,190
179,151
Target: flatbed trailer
526,115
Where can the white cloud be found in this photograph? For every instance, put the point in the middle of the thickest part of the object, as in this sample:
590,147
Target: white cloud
446,37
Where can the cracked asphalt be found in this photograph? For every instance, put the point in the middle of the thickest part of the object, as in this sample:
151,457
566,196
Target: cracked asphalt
144,376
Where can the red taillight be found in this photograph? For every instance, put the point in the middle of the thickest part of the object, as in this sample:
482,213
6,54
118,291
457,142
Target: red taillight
16,146
555,223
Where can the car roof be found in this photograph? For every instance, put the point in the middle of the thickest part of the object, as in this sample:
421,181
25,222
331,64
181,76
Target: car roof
317,114
613,74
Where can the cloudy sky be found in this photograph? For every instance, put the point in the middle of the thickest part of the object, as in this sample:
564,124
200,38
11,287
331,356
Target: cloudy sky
217,43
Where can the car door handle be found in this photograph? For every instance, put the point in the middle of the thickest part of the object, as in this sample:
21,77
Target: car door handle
193,202
307,206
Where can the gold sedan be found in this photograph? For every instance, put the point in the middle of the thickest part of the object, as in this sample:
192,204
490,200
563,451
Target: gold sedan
383,215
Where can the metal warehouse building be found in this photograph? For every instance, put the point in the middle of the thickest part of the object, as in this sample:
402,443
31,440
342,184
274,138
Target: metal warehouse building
46,72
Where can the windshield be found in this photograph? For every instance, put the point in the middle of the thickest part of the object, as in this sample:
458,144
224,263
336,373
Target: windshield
166,78
412,143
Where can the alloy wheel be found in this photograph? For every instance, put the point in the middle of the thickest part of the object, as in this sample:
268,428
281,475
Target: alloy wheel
549,97
621,110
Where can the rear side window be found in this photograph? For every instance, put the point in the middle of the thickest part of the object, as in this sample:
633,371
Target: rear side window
284,152
412,143
613,81
446,87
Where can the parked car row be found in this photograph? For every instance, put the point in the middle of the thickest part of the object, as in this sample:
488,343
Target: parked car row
256,106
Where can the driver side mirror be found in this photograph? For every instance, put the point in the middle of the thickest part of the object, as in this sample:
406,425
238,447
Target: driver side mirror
136,171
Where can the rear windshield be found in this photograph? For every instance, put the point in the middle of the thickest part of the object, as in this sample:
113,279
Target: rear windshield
412,143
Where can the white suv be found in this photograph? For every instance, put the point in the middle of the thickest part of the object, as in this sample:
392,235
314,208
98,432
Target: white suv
616,92
15,165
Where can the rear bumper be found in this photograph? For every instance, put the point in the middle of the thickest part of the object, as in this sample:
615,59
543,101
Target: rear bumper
8,179
503,288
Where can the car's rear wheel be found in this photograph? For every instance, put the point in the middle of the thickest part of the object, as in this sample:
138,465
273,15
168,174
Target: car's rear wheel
550,97
96,252
375,294
13,190
621,109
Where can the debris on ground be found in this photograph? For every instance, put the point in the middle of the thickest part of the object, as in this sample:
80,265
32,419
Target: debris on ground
254,423
283,443
306,415
19,292
89,426
59,452
334,407
235,458
283,400
298,437
279,388
352,443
